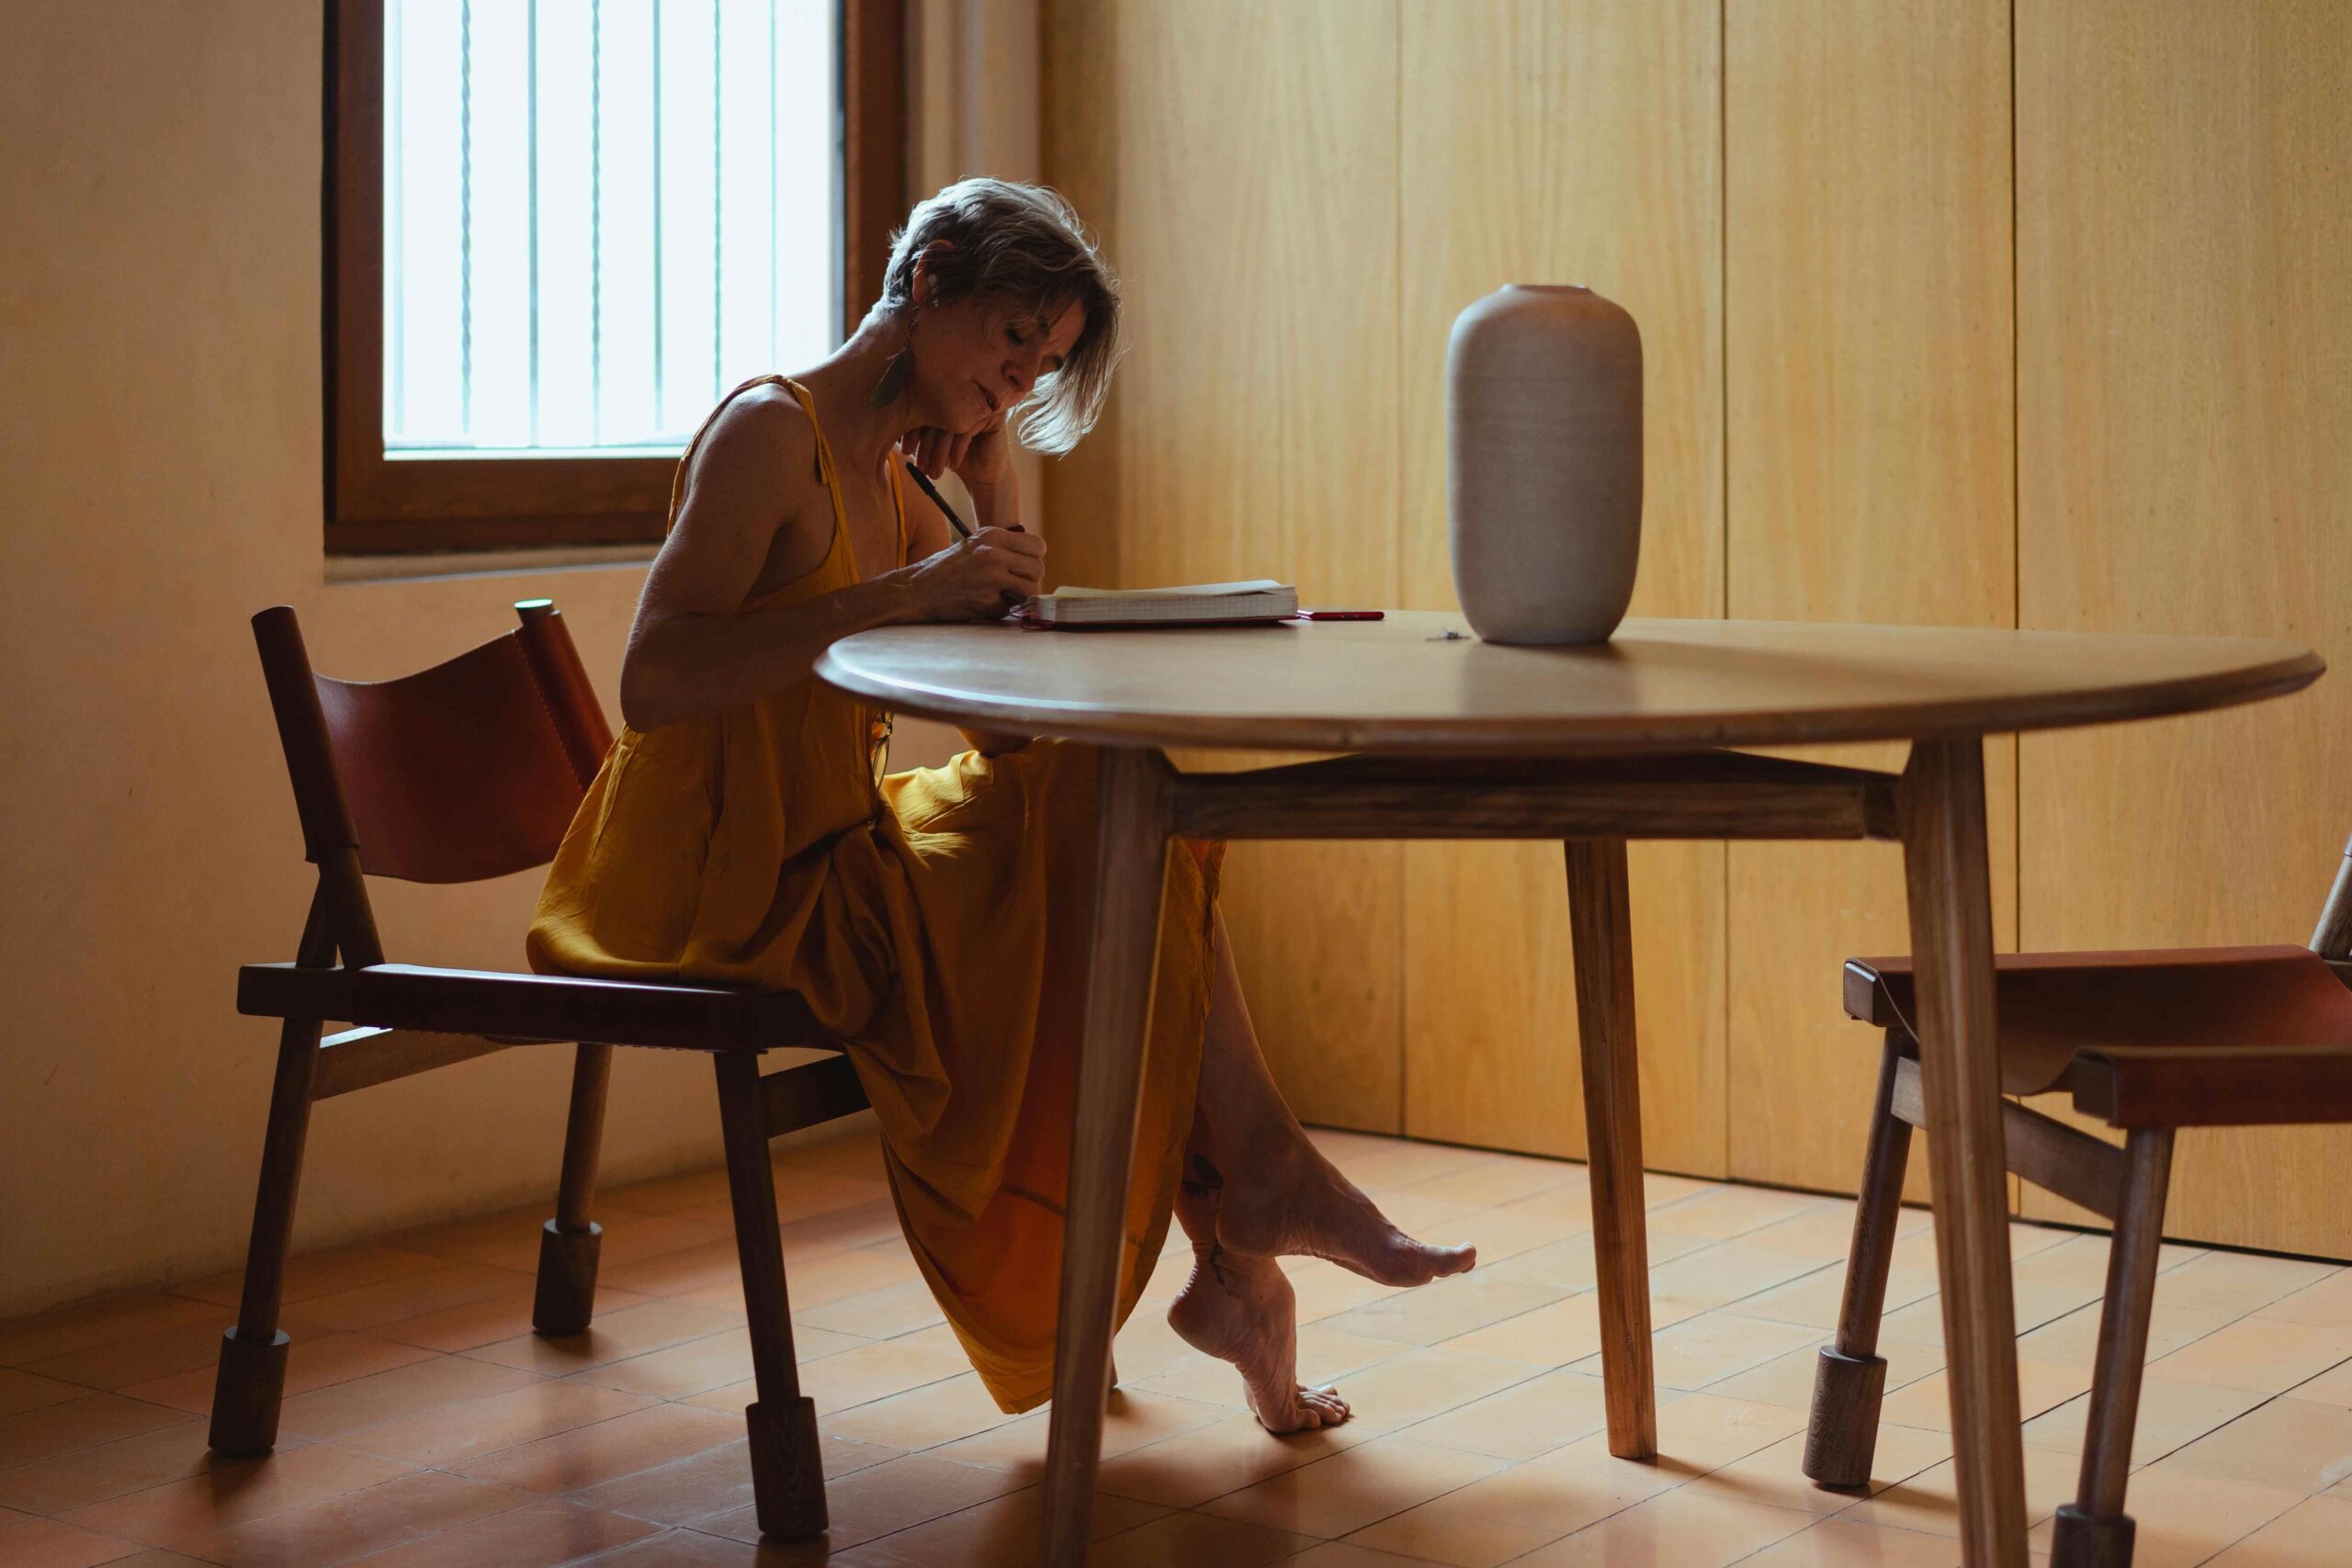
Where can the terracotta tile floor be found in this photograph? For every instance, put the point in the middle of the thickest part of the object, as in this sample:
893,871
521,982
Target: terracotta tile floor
425,1425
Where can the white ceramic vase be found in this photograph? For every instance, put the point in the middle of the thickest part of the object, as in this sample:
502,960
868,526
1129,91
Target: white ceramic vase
1543,463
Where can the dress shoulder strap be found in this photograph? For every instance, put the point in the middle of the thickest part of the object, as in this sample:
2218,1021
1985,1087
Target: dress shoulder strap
827,471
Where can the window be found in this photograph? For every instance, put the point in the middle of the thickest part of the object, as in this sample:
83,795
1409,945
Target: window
558,230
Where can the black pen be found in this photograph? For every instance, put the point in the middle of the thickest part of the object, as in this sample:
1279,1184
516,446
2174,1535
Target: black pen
941,502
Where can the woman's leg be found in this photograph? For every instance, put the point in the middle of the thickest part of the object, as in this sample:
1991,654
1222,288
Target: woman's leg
1280,1196
1240,1309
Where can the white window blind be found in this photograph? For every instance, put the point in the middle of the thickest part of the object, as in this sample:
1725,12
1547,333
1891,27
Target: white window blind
601,214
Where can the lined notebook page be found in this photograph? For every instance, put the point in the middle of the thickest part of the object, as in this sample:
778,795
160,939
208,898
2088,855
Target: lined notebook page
1190,591
1256,599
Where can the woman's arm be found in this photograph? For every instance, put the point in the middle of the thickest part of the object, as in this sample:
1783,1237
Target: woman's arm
996,505
928,531
693,652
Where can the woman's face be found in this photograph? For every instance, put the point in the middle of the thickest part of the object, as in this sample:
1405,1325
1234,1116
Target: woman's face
976,357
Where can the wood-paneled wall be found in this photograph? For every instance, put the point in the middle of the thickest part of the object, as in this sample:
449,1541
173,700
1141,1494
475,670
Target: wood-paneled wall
1869,473
2185,463
1921,345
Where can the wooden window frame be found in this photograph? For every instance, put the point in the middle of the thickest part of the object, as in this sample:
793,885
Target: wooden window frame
376,505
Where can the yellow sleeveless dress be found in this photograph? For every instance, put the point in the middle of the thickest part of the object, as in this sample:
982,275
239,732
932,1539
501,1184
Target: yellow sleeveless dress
938,923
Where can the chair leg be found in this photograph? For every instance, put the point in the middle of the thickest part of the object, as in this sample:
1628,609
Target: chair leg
1841,1437
2093,1531
787,1472
251,1382
569,1243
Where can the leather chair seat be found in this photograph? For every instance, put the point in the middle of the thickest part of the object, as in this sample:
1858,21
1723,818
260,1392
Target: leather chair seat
532,1007
2219,1036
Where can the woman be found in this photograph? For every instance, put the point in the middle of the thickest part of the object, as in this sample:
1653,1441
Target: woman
741,831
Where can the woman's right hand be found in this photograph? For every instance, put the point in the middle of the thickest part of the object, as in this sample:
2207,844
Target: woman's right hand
980,578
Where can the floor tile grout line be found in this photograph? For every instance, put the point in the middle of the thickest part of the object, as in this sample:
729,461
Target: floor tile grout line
1595,1524
2263,1404
1825,1519
2258,1530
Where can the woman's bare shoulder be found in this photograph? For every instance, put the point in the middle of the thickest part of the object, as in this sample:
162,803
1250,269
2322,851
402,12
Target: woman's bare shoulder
749,504
761,438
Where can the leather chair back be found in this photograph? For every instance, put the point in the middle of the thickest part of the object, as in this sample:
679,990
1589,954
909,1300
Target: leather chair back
469,769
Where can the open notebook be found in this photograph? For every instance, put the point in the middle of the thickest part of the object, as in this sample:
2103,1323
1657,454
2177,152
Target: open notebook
1193,604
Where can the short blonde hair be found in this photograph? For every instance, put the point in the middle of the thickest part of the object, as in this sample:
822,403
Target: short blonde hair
1021,246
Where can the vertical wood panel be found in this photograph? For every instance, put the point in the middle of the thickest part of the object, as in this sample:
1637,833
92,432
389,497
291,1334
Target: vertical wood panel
2185,396
1239,163
1869,475
1549,143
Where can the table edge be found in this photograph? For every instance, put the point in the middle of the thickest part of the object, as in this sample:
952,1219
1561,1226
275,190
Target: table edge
1910,721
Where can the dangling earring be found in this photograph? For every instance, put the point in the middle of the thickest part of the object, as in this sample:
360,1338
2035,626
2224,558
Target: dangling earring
896,374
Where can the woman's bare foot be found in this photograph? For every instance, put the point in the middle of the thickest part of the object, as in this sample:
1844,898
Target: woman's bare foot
1241,1310
1278,1196
1294,1202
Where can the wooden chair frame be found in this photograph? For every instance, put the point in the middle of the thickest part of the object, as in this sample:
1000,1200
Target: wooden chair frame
2126,1186
411,1020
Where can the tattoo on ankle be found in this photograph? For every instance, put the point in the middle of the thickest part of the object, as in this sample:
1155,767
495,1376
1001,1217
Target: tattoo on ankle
1216,1265
1203,1180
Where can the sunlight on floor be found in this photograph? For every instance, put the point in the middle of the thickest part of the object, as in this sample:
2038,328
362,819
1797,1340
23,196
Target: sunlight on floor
425,1425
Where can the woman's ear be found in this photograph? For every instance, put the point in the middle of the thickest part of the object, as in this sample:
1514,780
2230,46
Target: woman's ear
924,283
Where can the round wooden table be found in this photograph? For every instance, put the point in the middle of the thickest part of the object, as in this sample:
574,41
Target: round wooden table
1460,738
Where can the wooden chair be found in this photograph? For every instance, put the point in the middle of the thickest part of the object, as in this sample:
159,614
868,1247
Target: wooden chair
2146,1042
469,769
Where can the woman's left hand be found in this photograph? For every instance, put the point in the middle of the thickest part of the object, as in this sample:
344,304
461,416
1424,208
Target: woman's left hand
981,458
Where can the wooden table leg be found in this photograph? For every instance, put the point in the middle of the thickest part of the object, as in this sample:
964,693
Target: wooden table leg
1942,818
1600,930
1129,874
